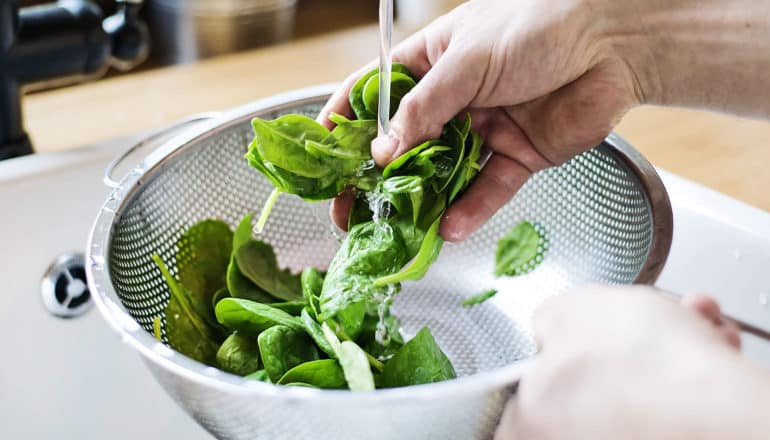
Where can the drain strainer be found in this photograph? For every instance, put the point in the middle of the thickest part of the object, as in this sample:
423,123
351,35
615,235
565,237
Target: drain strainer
64,289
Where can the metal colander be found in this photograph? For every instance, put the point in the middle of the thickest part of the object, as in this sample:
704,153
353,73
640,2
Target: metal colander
607,219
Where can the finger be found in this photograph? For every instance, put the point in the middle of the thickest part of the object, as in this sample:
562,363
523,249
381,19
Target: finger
340,208
732,334
705,306
495,185
444,92
709,309
502,135
510,422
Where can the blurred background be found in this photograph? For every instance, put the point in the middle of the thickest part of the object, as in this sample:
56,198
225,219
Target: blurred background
184,31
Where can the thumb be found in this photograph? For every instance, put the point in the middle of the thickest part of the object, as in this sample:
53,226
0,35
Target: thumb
448,88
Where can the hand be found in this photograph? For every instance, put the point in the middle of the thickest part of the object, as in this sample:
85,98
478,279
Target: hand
622,363
546,80
537,78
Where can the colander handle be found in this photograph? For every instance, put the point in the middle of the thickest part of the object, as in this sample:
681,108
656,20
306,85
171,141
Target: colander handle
151,139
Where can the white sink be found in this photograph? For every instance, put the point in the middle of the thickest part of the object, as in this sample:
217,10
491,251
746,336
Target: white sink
72,379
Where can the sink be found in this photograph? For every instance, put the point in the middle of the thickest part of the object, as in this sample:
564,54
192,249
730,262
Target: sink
73,379
66,378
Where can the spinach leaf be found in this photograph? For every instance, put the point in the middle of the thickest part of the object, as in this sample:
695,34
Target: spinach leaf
238,355
357,92
479,298
325,373
283,348
251,318
260,375
313,329
368,252
355,366
157,328
419,361
257,262
312,283
221,294
519,251
202,257
187,331
291,307
429,251
238,285
400,84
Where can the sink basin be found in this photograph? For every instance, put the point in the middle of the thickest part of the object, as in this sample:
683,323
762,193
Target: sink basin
66,378
73,379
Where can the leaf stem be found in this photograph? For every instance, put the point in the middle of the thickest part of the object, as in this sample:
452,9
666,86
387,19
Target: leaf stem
374,362
266,210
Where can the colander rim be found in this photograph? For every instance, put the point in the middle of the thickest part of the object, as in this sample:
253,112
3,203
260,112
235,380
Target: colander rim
109,306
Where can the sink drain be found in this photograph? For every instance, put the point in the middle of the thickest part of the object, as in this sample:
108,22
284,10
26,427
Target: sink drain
64,289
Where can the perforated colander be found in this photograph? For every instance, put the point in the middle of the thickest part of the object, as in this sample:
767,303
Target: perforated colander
607,218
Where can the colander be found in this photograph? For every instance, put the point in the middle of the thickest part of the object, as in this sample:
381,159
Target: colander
605,212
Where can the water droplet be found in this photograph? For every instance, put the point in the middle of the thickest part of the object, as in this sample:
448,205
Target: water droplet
763,299
737,254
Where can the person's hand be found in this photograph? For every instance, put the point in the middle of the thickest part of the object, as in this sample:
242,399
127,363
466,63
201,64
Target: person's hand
545,80
539,80
622,363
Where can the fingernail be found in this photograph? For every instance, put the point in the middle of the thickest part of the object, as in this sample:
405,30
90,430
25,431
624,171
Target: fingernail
384,148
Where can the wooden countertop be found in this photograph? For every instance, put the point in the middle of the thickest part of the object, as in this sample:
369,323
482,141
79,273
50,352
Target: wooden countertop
728,154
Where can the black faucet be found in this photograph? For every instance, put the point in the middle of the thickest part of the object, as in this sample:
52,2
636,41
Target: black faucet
57,44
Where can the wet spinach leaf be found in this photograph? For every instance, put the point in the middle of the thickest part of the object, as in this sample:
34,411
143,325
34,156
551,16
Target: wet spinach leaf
367,253
238,355
325,373
283,348
520,251
419,361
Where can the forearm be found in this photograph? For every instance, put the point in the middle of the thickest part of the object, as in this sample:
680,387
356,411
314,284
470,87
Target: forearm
711,54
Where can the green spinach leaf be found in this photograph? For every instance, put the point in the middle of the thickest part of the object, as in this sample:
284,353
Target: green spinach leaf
202,257
419,361
257,262
238,285
313,329
479,298
520,251
325,373
283,348
251,318
260,375
355,366
239,355
187,331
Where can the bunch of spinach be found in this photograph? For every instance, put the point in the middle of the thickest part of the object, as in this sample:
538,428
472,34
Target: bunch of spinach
232,307
394,222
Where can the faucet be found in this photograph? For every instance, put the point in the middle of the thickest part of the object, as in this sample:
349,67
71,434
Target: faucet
58,44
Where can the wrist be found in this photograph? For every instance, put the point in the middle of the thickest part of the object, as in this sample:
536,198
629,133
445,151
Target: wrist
708,54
